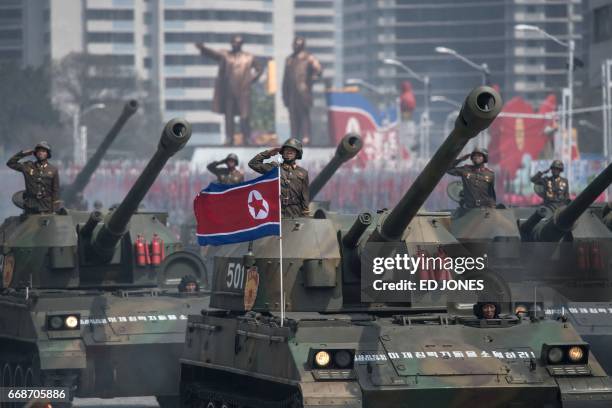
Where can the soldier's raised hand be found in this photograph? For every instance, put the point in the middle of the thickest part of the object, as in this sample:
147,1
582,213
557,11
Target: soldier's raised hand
199,46
274,151
28,152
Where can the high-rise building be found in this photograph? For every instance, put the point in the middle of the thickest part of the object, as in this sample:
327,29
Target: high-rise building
522,63
154,39
320,23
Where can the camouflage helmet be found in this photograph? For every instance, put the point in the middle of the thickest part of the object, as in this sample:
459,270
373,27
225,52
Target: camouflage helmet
484,152
557,164
44,145
232,156
295,144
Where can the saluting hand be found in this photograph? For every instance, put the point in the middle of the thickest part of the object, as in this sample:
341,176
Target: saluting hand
274,151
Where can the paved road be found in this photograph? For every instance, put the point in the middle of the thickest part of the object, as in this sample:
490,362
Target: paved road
133,402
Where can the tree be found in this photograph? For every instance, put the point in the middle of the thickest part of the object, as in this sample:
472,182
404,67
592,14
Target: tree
27,114
82,80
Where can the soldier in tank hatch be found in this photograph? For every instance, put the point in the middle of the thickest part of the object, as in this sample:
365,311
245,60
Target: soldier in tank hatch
294,179
554,188
478,180
230,174
41,178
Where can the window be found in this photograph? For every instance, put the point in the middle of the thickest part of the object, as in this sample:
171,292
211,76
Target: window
315,34
313,4
181,59
602,23
188,104
147,40
147,62
217,38
109,14
10,14
314,19
205,128
110,37
190,82
218,15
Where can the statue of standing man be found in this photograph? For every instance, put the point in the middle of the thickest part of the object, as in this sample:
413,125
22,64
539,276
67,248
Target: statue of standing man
301,70
238,70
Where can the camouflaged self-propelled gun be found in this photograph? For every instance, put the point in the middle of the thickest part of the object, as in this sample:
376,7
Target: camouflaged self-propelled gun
90,302
334,350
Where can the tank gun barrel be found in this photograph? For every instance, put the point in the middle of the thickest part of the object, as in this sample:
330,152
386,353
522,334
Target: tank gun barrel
82,179
554,228
348,148
175,135
479,109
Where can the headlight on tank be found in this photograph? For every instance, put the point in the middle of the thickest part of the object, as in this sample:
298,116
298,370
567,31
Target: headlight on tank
64,322
332,359
565,354
322,359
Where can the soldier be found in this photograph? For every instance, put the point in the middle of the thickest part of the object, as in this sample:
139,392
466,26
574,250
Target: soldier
188,284
478,180
486,310
553,189
294,179
301,70
237,71
229,174
41,194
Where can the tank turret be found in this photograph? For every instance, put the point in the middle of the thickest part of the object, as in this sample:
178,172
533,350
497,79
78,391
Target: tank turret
563,220
175,135
71,192
348,148
481,106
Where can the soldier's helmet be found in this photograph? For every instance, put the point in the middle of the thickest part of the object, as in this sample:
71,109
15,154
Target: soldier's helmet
484,152
233,157
44,145
294,143
557,164
185,280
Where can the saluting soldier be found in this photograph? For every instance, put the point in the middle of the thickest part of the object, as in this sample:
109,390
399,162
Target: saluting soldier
294,179
41,194
230,174
554,189
478,180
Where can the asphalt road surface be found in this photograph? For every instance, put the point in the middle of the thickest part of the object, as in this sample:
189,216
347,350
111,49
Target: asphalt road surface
132,402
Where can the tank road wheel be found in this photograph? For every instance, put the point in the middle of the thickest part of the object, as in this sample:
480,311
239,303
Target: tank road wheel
7,380
211,404
19,377
166,401
29,378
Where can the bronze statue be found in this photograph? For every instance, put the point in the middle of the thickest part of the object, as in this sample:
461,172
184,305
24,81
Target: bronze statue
237,71
301,70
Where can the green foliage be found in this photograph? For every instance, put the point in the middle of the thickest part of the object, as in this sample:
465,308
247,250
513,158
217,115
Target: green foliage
262,119
27,115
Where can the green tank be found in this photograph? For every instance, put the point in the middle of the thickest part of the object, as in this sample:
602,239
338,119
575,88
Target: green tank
328,347
90,302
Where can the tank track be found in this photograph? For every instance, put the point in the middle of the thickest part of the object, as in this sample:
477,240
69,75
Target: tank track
199,395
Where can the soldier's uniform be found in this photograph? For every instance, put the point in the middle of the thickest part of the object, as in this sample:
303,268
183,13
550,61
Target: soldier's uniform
41,182
294,180
555,188
224,174
478,182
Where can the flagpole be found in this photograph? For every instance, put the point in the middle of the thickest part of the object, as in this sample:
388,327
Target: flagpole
280,249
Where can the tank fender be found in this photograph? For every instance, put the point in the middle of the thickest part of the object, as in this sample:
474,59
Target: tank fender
585,392
62,354
331,394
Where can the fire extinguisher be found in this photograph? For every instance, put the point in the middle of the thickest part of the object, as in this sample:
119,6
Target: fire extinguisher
583,262
596,259
157,250
442,274
424,273
142,251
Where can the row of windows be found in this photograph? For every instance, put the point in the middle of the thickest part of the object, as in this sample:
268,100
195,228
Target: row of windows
109,14
10,54
203,127
217,37
11,34
180,59
315,34
110,37
313,4
6,14
188,104
314,19
190,82
218,15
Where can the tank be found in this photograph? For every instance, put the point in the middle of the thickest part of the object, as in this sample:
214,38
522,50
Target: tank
328,347
71,193
90,302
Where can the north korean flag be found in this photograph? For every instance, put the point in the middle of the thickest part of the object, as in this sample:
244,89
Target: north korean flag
227,214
